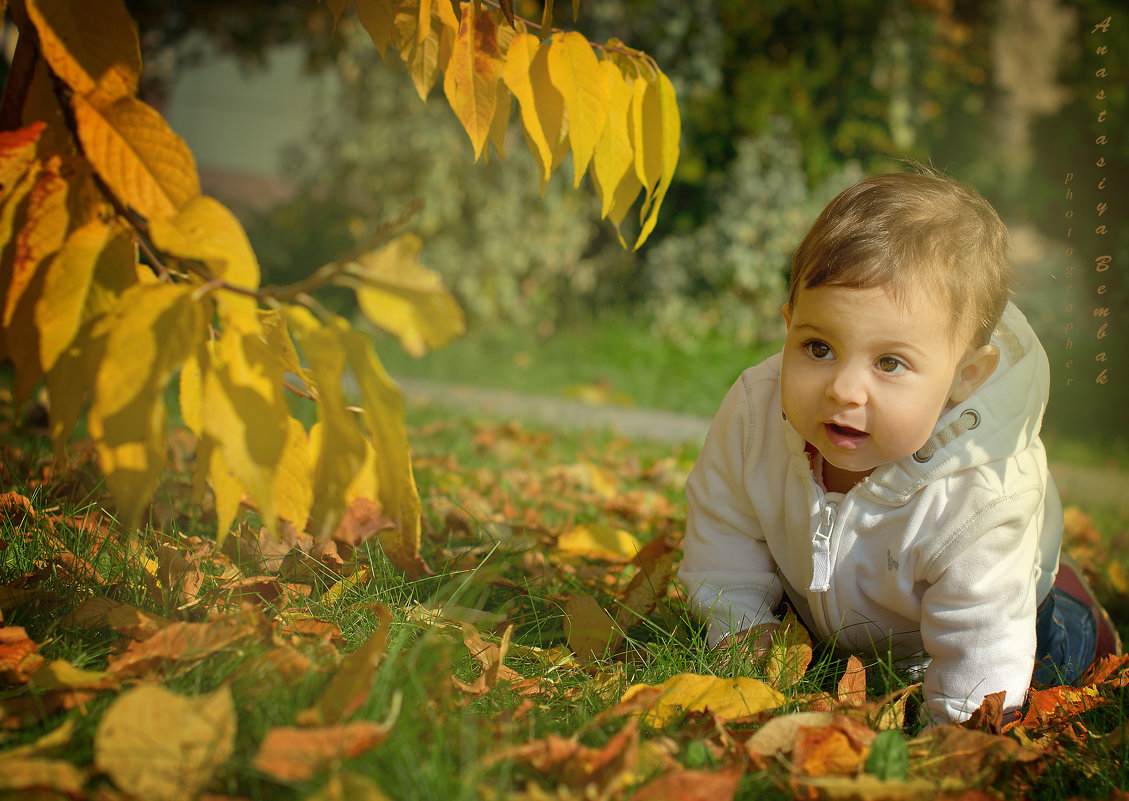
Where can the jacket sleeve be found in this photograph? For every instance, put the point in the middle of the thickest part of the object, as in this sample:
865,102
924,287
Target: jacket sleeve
727,567
978,612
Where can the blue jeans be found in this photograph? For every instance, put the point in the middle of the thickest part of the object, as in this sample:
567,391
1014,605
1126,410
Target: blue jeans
1066,639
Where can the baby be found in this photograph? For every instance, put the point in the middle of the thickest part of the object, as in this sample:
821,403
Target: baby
883,474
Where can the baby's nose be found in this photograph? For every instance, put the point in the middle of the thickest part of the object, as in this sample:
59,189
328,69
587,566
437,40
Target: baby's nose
847,387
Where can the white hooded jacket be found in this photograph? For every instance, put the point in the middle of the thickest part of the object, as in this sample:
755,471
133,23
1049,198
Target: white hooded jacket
941,557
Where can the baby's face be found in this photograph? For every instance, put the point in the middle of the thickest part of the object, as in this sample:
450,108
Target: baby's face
864,378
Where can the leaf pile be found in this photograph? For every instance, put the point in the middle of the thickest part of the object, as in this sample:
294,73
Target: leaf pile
161,666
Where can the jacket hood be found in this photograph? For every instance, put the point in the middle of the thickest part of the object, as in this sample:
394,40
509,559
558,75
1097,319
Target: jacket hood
1000,419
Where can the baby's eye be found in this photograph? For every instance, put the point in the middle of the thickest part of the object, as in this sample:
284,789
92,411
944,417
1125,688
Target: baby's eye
818,350
891,364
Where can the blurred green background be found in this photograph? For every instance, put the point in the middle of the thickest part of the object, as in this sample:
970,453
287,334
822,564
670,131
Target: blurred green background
783,103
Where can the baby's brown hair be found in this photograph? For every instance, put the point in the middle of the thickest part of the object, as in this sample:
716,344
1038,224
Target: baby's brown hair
896,229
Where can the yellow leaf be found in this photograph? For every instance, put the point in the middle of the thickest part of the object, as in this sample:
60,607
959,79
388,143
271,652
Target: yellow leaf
42,105
190,390
420,55
450,13
205,230
613,160
149,333
293,490
400,295
227,489
384,419
336,442
69,384
576,73
19,341
89,45
500,125
600,541
727,699
351,685
661,114
161,746
473,79
378,19
526,73
424,29
59,310
139,157
245,414
336,8
42,234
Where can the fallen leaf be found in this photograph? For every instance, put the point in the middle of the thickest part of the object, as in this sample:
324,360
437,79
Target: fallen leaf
178,643
778,735
290,754
363,520
725,699
19,657
790,655
351,685
601,542
889,757
180,576
851,690
692,785
826,750
158,745
1056,704
33,777
591,631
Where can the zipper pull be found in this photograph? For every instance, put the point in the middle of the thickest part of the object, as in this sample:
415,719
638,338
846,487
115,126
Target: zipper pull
821,551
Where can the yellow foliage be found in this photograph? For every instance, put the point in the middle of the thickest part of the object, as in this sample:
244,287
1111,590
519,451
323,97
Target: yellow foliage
726,699
92,176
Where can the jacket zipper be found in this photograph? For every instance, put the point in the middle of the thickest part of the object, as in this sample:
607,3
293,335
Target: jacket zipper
821,550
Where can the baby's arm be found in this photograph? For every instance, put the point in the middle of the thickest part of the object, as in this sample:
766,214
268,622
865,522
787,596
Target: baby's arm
978,616
727,566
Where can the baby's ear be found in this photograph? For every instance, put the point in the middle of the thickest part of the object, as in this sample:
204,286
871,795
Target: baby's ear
974,371
786,310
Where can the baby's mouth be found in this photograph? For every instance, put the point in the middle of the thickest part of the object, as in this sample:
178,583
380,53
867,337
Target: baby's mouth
844,436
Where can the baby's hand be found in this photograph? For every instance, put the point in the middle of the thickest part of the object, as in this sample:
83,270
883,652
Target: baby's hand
748,644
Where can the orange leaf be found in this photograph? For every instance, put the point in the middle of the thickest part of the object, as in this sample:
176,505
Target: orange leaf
18,656
89,45
138,155
292,755
1054,704
17,151
42,234
852,687
826,750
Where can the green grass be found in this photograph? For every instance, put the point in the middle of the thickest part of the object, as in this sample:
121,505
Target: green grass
495,497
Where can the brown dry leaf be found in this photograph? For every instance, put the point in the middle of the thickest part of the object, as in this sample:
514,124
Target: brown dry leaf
259,551
351,685
258,590
649,584
568,761
180,576
692,785
851,690
178,643
290,754
133,622
75,570
726,699
889,712
591,631
974,757
312,628
158,745
363,520
15,509
19,657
